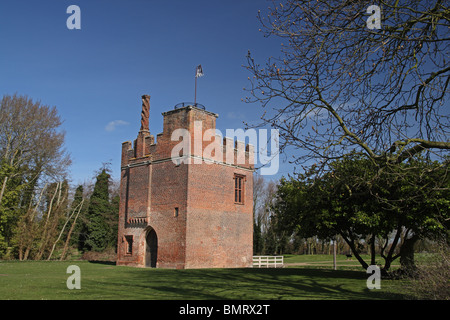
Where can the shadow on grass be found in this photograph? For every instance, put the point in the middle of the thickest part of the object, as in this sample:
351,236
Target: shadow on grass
245,284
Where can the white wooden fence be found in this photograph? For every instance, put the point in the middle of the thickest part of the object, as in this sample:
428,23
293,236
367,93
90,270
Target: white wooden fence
268,261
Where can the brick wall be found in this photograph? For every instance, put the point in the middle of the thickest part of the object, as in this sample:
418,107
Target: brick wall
191,207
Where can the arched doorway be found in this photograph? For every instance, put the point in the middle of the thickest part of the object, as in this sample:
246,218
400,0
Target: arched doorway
151,249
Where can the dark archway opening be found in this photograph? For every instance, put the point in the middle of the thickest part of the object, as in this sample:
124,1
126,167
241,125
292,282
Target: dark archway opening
151,251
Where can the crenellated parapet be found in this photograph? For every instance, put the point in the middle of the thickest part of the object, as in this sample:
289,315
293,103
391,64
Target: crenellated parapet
189,136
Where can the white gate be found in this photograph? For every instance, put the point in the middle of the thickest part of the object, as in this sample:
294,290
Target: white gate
268,261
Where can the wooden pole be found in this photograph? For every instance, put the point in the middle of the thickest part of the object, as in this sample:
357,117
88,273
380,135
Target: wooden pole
334,254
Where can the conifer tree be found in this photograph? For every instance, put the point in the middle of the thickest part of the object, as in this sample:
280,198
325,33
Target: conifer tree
96,230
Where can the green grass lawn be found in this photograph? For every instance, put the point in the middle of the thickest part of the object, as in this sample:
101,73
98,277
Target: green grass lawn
47,280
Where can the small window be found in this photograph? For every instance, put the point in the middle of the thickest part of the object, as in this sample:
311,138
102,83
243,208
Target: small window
129,240
239,189
175,213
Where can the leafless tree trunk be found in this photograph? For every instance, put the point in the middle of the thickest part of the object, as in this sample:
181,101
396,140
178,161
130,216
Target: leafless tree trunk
69,234
63,228
49,228
27,228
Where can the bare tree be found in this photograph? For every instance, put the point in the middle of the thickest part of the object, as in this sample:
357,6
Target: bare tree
30,138
263,196
339,87
69,234
76,210
49,224
27,228
31,154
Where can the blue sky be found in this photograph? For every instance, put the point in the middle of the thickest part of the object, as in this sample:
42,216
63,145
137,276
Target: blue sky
96,76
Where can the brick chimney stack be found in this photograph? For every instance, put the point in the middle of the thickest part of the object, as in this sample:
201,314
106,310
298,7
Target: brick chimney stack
145,113
144,131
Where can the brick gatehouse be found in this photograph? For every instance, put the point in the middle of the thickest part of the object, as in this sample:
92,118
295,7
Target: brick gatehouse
191,211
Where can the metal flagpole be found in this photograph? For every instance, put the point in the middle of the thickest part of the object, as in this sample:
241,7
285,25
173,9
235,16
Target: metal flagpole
198,73
195,95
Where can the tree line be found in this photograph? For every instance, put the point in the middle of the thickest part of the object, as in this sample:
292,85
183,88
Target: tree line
41,215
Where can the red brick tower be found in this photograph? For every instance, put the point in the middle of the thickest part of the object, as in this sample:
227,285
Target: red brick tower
186,209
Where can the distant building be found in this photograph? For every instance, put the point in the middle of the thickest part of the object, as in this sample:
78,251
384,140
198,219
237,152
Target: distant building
191,211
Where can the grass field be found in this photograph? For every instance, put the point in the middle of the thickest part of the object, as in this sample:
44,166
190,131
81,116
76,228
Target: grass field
47,280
